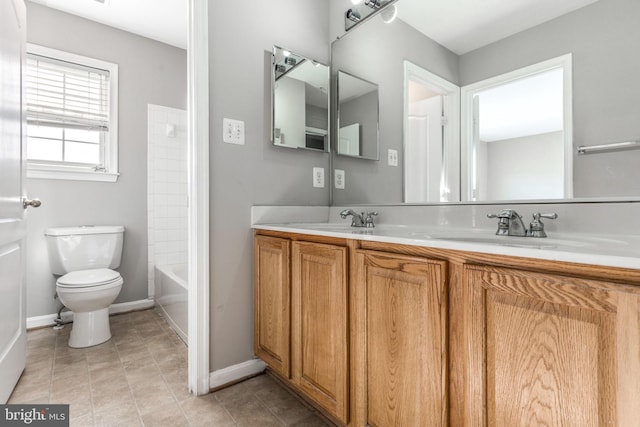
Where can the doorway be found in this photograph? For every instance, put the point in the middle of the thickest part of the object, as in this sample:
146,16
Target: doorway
525,114
431,137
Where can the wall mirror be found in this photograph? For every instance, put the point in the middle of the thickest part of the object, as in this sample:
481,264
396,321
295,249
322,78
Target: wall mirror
357,117
463,47
517,136
300,101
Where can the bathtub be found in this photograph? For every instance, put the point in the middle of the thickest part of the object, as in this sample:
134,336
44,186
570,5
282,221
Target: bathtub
171,296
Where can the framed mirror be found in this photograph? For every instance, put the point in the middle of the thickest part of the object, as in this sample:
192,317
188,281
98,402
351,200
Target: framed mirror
357,117
467,46
300,101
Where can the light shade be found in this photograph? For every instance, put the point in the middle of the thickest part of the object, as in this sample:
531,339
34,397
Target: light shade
389,14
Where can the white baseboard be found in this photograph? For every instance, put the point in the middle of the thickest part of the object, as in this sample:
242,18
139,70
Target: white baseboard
124,307
234,373
67,316
48,320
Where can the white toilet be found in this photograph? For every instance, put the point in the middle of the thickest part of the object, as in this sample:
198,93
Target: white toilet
85,257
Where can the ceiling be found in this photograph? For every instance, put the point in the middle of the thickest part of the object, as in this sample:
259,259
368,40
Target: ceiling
162,20
466,25
460,25
527,106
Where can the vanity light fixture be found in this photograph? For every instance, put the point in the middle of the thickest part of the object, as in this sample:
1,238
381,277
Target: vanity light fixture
353,15
373,4
357,14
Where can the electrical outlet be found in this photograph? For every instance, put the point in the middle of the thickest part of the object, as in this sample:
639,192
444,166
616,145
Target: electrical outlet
392,157
338,179
233,131
318,177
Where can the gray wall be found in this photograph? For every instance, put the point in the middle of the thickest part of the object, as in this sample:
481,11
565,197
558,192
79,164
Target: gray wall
604,39
364,111
376,52
149,72
257,172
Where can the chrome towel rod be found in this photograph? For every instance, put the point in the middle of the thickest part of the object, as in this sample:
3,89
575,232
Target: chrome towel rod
629,145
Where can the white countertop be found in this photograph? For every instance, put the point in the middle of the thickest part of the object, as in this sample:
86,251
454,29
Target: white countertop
605,250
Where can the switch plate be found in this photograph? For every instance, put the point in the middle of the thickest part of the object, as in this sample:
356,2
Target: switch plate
318,177
338,179
392,157
233,131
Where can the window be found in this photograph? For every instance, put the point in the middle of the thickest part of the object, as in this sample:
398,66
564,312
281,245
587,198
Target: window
71,103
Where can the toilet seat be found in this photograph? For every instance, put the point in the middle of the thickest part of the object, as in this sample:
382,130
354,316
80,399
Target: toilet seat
102,277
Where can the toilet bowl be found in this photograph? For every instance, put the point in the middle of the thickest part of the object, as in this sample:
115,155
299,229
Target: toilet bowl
85,258
88,294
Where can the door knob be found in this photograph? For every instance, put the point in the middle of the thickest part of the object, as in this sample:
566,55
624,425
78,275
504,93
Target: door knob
34,203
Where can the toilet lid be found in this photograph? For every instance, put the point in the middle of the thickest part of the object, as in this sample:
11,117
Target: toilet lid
86,278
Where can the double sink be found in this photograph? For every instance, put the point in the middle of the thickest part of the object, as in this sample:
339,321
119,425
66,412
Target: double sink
606,250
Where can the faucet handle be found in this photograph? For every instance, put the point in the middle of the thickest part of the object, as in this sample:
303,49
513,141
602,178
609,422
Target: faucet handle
368,219
539,215
504,213
536,227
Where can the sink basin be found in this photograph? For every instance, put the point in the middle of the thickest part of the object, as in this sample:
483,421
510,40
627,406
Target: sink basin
346,227
527,242
321,226
520,242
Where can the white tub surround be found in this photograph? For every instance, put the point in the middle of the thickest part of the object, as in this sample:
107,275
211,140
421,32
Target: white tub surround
166,188
172,296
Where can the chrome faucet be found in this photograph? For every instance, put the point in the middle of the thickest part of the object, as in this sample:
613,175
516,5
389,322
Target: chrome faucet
509,223
359,219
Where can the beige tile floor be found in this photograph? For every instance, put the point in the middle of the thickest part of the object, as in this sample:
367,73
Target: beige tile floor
139,377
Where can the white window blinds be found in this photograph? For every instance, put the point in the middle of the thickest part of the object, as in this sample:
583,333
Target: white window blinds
65,94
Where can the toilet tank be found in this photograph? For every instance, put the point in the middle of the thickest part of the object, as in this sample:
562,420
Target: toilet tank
85,247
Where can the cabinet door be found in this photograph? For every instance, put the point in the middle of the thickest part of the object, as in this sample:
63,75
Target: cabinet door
319,325
272,303
400,327
551,350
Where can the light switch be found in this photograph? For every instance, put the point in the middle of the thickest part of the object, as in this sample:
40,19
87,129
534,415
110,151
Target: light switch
318,177
171,130
392,157
233,131
338,179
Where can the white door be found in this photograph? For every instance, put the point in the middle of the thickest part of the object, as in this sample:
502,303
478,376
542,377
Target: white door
349,140
13,336
423,151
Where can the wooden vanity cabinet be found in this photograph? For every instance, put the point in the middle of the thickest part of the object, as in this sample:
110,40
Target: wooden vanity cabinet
320,324
272,303
400,340
386,335
301,318
545,349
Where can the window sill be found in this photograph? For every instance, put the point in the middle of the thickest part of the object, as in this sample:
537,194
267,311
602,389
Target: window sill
73,175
